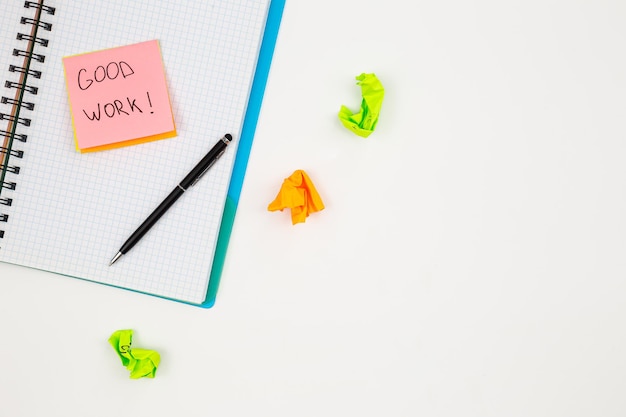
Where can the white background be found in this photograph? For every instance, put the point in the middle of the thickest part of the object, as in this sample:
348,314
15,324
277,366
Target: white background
469,262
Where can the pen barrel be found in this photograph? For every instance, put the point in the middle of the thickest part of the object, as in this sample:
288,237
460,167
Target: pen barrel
204,164
151,220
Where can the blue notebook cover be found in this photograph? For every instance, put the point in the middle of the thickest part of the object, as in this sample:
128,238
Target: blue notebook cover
243,151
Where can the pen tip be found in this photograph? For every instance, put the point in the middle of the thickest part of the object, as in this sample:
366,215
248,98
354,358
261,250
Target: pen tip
115,258
228,137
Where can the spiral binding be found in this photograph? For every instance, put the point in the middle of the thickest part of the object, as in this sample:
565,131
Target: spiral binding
16,99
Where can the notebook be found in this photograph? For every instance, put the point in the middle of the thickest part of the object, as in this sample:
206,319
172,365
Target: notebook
68,212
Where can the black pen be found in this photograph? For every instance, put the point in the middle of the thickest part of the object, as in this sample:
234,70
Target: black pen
190,180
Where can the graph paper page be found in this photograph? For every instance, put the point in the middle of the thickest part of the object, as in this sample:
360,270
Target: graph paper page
71,212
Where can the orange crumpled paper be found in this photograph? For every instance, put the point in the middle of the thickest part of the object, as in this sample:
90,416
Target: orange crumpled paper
299,194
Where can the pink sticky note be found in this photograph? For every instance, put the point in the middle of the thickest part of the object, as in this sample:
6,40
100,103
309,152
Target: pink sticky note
118,97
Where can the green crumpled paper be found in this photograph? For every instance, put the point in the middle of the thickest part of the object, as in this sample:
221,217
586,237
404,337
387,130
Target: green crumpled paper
140,362
364,122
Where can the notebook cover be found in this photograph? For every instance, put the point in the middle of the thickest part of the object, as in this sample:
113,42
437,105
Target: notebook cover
266,53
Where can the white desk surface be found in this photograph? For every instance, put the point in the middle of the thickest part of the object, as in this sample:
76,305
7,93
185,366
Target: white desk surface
469,262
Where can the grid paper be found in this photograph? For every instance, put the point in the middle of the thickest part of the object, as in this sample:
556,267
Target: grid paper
71,211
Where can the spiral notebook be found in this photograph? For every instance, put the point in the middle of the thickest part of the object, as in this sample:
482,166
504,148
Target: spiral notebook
68,212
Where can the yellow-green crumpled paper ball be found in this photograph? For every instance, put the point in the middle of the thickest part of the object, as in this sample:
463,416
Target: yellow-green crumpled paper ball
140,362
364,122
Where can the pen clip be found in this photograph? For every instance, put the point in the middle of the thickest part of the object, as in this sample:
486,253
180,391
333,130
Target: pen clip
207,168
